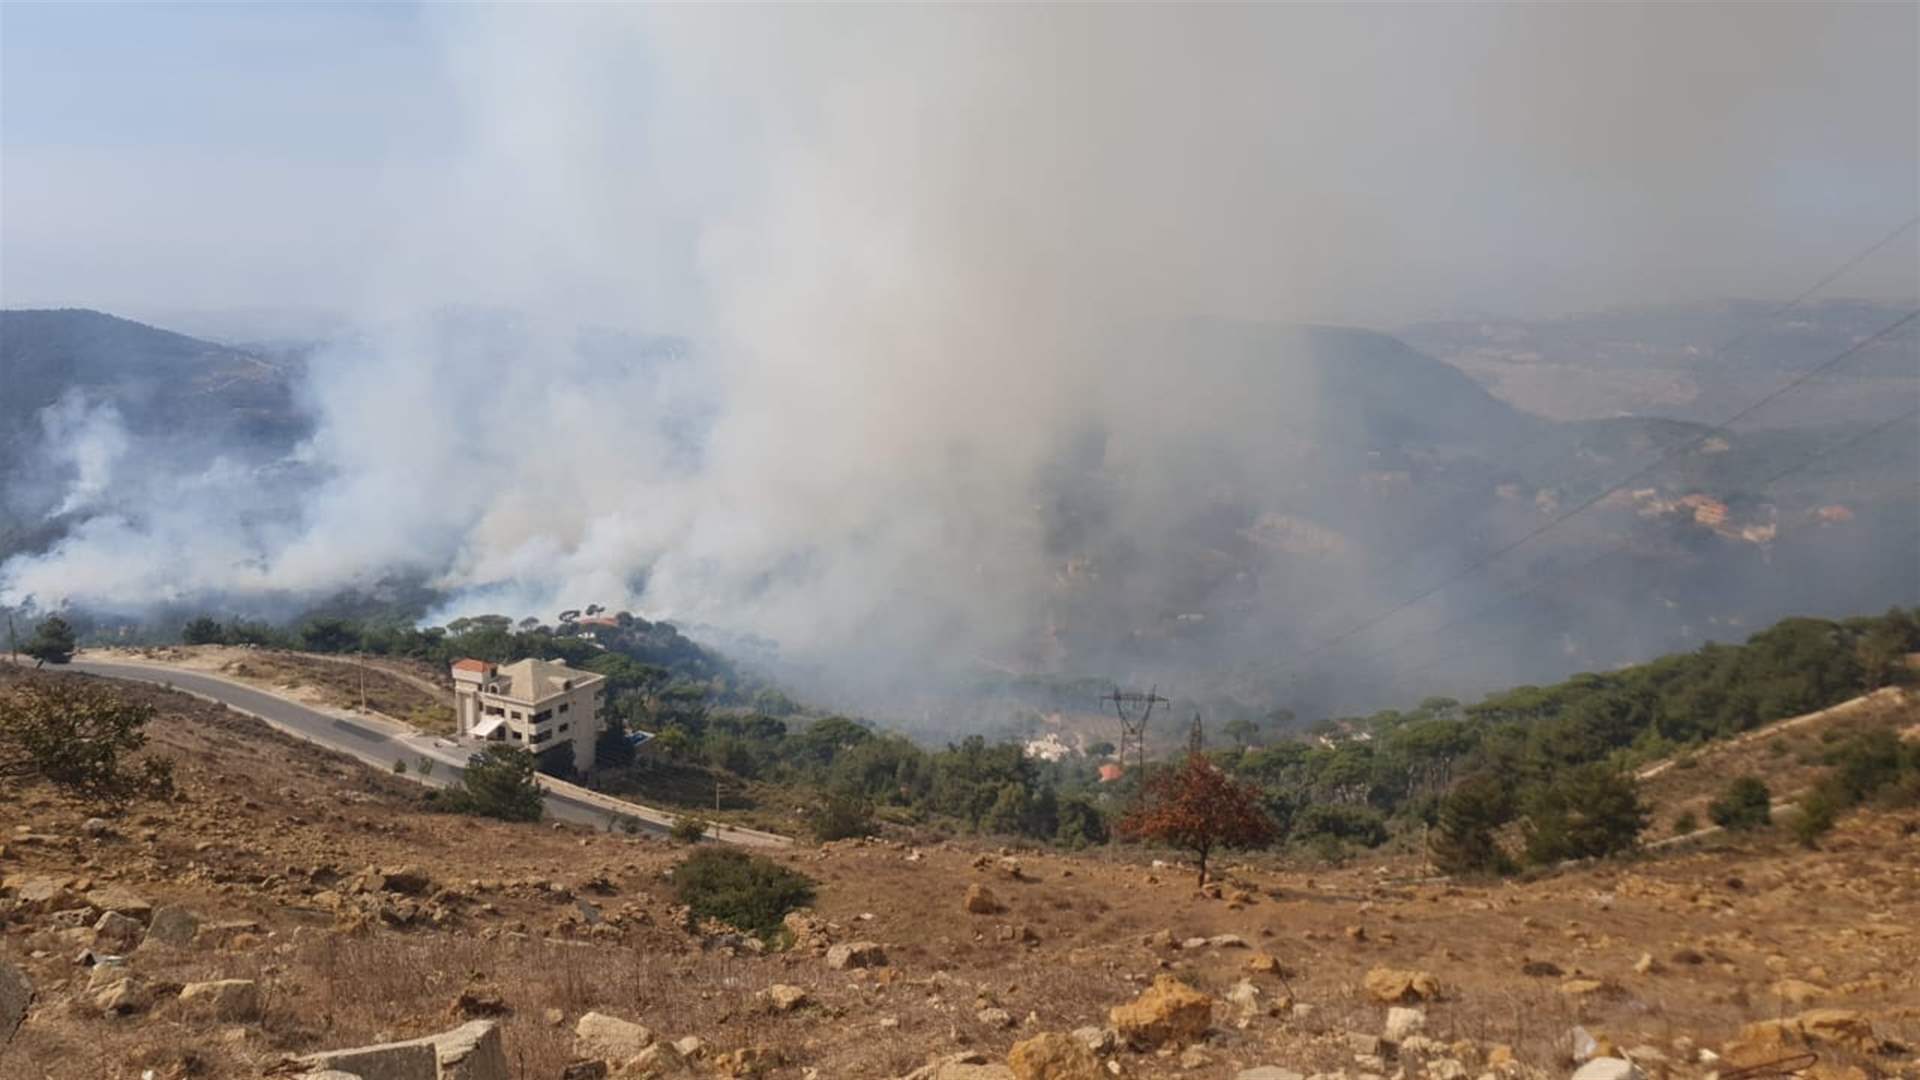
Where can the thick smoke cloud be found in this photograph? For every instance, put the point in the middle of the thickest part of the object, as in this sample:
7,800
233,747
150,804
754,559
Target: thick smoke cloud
914,260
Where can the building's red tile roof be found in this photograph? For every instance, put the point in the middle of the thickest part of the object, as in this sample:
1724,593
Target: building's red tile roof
472,665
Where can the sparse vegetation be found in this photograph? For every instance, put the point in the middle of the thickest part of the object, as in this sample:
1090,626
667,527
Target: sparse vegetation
1745,805
79,737
745,891
688,829
842,815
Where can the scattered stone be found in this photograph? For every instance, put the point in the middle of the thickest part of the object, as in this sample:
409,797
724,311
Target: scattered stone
981,901
471,1051
1609,1068
1168,1012
1228,941
856,954
599,1035
479,1002
122,996
225,999
1647,965
785,998
1797,992
1245,999
690,1046
1053,1056
173,926
1261,963
1362,1044
1195,1058
16,994
407,881
590,1069
1402,1022
1100,1040
117,933
34,894
994,1017
1268,1072
123,900
1393,987
1582,1045
96,827
1576,988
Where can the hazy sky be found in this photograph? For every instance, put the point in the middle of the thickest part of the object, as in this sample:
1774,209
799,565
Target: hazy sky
1396,161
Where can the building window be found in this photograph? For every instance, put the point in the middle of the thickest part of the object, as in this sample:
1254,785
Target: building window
541,736
564,706
543,716
516,736
495,710
518,715
564,727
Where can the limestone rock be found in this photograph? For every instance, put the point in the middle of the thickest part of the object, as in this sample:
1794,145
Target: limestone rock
1395,987
472,1051
173,926
1245,998
1100,1040
33,894
1609,1068
117,933
785,998
599,1035
856,954
981,901
123,996
16,994
1053,1056
224,999
123,900
994,1017
1268,1072
1797,992
1402,1022
1170,1011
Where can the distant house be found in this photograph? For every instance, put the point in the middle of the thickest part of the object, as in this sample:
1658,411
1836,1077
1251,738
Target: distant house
534,704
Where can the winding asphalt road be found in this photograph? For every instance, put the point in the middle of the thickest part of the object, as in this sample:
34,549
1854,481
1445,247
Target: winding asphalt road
378,743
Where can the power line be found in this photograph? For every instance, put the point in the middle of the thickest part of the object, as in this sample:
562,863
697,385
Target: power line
1594,500
1440,503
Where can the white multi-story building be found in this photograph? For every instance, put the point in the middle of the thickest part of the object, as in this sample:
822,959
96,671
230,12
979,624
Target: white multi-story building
533,704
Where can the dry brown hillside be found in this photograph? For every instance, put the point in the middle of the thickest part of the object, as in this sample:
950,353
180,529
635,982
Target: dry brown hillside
361,917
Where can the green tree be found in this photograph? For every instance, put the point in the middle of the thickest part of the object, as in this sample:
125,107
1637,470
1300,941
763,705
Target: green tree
52,641
1745,804
203,630
1242,731
1463,837
499,783
1081,824
1585,812
330,635
842,815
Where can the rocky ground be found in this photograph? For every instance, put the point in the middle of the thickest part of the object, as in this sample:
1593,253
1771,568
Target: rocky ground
290,902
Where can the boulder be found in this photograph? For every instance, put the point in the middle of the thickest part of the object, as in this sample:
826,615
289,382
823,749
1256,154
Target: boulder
407,880
1402,1022
1798,992
1262,963
472,1051
785,998
981,901
660,1059
33,893
123,900
1609,1068
224,999
1053,1056
122,996
591,1069
173,926
117,933
994,1017
1100,1040
856,954
1395,987
16,994
599,1035
1169,1011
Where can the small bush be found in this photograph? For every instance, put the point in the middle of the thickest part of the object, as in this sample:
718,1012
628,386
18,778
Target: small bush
745,891
399,766
1685,823
842,815
1814,818
1745,805
498,783
76,736
688,829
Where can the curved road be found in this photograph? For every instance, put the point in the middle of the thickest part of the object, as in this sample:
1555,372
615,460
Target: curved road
380,743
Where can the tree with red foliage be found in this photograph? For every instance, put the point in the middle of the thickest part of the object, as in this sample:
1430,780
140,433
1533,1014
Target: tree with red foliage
1198,808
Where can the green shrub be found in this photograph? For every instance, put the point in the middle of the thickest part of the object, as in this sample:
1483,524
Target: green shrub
1358,824
745,891
1814,818
1081,824
1463,837
1745,805
498,783
687,829
399,766
52,641
77,735
842,815
1685,823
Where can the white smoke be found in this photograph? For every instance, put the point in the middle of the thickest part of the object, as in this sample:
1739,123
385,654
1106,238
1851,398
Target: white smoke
905,243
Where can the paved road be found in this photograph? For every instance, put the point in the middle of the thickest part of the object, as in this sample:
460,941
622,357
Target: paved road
377,743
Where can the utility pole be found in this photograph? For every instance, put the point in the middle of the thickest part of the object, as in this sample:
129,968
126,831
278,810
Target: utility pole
1134,709
13,640
363,681
1196,738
